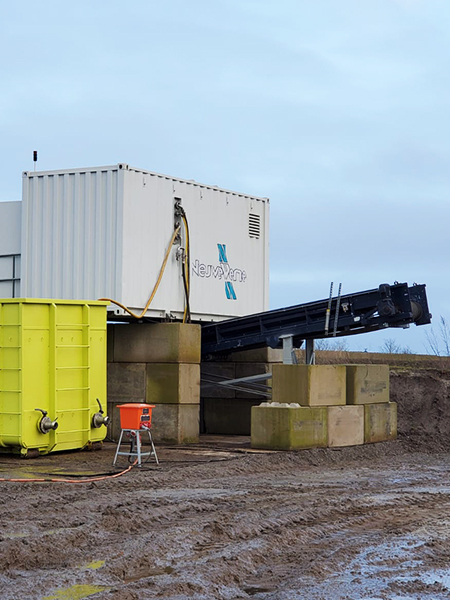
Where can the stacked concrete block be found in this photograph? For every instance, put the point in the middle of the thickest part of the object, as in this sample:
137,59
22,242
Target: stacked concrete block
158,364
355,401
345,426
156,343
368,385
320,393
282,426
176,423
380,422
256,355
174,389
172,383
126,383
309,385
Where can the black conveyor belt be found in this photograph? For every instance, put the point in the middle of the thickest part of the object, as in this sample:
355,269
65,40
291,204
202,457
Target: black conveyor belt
396,305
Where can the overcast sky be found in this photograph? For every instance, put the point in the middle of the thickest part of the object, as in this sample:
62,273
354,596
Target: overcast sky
335,109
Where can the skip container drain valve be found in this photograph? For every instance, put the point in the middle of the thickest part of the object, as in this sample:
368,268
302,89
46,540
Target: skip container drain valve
45,424
100,418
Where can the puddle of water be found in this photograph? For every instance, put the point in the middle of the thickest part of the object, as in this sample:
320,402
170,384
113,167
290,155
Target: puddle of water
367,575
395,561
12,535
438,576
35,472
382,499
195,493
374,598
375,558
77,592
432,489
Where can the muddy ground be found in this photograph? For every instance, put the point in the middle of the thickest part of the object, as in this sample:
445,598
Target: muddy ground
220,521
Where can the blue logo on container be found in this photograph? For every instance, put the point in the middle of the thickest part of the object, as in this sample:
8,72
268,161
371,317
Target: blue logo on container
222,270
229,289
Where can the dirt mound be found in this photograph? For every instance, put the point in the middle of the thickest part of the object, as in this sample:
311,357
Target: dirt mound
423,399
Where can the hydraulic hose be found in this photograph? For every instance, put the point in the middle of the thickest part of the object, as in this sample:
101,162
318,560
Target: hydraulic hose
186,270
158,281
187,311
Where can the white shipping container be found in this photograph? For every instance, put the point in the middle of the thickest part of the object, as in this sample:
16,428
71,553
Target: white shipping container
103,232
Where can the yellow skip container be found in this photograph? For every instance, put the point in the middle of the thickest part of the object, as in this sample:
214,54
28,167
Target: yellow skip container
52,374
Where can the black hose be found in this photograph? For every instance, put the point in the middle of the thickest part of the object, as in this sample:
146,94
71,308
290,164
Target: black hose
187,270
186,293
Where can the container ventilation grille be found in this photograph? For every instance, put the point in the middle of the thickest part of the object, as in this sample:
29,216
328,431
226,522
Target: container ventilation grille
254,226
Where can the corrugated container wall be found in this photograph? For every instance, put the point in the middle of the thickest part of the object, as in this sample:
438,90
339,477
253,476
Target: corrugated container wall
103,232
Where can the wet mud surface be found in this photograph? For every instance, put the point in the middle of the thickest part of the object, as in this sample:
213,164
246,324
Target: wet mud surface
219,521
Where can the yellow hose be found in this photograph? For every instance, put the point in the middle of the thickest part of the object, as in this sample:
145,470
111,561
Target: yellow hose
158,281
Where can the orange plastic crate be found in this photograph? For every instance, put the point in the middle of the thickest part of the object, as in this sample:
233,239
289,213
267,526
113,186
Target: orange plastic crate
135,416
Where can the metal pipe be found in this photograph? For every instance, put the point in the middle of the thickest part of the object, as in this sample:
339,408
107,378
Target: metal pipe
328,311
336,314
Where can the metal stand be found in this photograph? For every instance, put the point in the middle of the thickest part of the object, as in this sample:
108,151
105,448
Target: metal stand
135,435
289,356
310,354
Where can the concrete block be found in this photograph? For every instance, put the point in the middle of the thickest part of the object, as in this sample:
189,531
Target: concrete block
309,385
367,384
227,416
176,423
288,427
380,422
157,343
126,382
256,355
216,371
173,383
249,369
345,426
